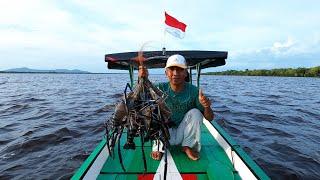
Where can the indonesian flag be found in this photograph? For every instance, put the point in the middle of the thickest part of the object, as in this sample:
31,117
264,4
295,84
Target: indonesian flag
174,27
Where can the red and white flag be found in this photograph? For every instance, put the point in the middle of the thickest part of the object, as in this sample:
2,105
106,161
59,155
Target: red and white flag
174,27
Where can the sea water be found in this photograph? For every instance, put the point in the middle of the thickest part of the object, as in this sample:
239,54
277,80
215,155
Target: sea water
50,123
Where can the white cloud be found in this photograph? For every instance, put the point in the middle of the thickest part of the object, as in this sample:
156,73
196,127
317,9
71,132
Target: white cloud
78,33
279,47
281,54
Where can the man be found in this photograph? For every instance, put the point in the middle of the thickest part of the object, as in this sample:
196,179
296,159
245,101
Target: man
188,106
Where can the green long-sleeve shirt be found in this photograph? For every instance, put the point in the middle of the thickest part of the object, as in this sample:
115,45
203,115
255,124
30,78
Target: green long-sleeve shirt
180,103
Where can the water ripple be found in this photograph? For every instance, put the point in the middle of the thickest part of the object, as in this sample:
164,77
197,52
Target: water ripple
275,120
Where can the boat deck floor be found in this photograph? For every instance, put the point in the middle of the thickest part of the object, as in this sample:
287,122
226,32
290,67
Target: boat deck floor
213,162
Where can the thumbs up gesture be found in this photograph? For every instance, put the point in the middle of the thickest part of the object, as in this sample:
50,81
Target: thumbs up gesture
204,101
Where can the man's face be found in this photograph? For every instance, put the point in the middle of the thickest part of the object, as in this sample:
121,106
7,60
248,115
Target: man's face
176,75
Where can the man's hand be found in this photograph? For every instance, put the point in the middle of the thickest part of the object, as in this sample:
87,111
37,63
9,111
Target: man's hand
143,72
204,101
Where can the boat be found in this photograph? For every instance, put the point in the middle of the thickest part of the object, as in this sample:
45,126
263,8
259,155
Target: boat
220,157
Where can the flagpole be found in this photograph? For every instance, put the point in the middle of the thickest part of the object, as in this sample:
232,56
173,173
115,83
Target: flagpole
164,43
164,40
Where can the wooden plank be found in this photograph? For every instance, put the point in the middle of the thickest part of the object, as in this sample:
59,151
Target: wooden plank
211,153
132,160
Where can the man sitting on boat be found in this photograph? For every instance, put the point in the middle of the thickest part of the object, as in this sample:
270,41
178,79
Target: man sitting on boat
188,106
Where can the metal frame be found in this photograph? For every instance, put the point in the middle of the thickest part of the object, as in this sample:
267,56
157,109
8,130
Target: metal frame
198,67
131,71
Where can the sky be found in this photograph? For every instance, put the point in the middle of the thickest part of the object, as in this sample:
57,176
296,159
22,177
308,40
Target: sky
76,34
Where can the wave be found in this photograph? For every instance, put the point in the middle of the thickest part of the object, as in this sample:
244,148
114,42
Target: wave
44,115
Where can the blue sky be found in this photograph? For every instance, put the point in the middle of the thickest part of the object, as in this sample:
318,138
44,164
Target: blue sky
76,34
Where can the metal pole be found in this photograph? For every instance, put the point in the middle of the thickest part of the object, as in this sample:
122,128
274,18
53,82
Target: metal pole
190,74
131,75
198,66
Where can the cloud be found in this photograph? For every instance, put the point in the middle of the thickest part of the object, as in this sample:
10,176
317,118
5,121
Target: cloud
279,47
281,54
73,33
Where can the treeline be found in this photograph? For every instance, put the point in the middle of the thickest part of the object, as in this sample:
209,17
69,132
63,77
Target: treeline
289,72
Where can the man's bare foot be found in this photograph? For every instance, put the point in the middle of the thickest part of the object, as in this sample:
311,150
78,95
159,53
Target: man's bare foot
190,153
156,155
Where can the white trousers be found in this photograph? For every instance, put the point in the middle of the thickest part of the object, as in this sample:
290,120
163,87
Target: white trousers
187,133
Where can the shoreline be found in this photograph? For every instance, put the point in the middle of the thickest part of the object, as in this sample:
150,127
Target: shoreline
282,72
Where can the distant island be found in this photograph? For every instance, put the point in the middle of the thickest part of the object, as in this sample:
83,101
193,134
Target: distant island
287,72
28,70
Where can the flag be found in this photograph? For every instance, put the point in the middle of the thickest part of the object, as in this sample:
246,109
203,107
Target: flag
174,27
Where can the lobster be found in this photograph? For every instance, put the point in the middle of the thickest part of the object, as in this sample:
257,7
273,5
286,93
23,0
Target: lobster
142,112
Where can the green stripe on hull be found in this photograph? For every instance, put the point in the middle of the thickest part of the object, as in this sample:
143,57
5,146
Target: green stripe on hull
132,159
88,162
213,163
243,155
133,162
211,153
117,176
135,176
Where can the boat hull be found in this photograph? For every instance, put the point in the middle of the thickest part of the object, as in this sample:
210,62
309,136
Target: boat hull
220,158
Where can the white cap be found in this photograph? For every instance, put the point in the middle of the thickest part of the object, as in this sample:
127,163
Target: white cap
176,60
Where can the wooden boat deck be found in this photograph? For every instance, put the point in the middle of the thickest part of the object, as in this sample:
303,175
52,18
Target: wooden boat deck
213,162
